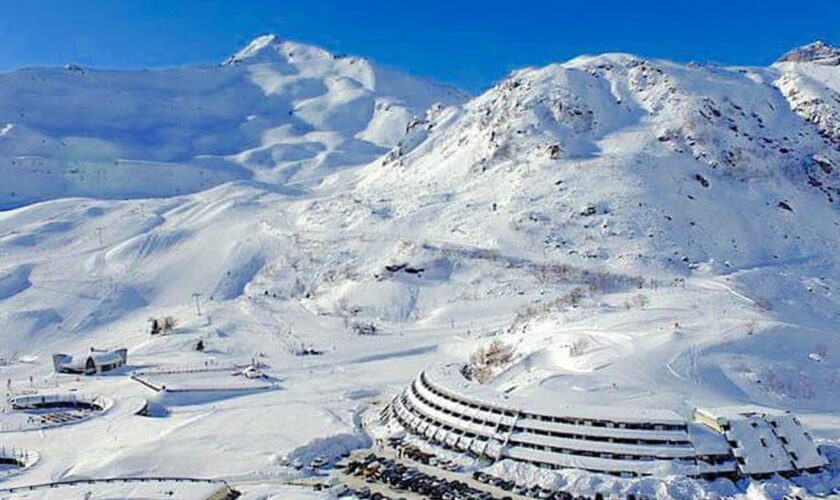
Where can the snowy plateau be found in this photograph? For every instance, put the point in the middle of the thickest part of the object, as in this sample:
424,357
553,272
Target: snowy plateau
318,229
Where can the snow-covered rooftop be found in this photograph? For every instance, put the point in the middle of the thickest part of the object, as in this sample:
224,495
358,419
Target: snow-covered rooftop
450,377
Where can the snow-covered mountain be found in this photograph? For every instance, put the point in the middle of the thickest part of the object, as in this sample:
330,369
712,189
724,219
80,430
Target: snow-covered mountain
818,52
626,161
277,111
638,232
809,82
611,173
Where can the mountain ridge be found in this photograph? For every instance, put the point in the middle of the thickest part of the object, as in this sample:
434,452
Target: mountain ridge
284,120
818,51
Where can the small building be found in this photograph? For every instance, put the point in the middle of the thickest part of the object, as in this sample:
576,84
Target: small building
96,361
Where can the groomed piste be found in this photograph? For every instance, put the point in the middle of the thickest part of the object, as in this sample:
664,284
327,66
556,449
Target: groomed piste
442,406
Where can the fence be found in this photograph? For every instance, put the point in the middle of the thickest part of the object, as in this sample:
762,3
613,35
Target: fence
224,488
175,370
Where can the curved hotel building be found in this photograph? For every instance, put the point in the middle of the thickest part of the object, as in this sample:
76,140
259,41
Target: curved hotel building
442,406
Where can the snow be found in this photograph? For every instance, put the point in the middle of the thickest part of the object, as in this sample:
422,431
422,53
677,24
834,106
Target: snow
277,111
761,451
787,427
118,489
202,383
449,378
818,52
686,284
14,281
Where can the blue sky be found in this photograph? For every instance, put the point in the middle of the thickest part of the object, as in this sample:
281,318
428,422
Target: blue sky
466,43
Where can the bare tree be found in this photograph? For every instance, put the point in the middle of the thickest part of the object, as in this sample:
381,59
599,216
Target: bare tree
484,361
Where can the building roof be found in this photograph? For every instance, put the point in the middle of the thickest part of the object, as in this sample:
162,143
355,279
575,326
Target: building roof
100,358
767,440
105,358
449,377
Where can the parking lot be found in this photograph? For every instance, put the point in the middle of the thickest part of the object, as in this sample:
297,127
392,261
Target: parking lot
362,487
392,478
400,470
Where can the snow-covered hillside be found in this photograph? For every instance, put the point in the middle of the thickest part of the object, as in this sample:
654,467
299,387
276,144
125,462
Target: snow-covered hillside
637,232
809,81
620,177
277,111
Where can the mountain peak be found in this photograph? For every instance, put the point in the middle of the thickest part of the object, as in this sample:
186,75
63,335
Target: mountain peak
266,44
271,48
818,52
262,41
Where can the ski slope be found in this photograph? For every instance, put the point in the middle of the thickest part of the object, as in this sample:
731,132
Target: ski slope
277,111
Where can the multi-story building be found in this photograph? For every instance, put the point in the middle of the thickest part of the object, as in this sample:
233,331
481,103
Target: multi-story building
442,406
